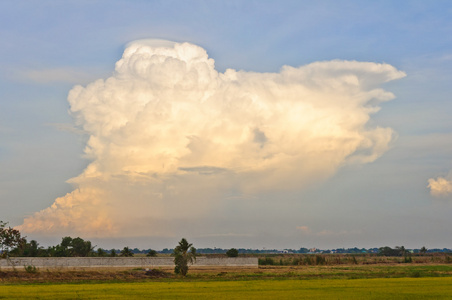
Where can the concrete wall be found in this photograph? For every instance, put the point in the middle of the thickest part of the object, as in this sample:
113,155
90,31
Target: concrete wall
124,262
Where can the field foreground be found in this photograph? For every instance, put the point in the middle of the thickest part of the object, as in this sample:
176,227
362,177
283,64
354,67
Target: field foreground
64,275
396,281
381,288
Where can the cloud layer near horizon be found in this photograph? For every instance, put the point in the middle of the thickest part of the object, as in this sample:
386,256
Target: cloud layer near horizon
170,137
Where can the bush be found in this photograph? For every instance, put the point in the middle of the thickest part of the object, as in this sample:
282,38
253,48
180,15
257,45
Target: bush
319,260
157,273
416,274
266,261
31,269
307,260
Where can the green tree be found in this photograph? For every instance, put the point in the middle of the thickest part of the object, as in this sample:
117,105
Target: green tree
401,250
101,252
64,249
232,252
388,251
9,238
126,252
183,254
72,247
423,250
32,249
152,253
81,247
113,253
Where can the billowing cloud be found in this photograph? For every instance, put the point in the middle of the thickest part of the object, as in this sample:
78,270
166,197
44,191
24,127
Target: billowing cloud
170,137
441,186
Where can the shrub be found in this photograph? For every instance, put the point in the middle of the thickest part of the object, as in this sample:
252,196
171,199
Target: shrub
266,261
319,260
307,260
416,274
31,269
157,273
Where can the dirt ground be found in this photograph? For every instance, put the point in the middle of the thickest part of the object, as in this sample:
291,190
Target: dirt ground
110,274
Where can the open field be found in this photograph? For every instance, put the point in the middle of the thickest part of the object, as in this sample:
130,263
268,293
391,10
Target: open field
382,288
65,275
352,281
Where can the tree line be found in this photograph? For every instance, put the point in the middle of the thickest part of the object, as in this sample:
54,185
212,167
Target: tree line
13,244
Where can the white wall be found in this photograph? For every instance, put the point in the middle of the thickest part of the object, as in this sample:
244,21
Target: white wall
144,262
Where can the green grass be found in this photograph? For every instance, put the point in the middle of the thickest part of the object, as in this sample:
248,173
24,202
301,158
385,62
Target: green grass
382,288
332,272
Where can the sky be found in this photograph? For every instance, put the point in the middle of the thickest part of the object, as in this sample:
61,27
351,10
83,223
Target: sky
254,124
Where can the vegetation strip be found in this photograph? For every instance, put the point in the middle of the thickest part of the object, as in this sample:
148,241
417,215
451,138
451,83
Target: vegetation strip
383,288
226,274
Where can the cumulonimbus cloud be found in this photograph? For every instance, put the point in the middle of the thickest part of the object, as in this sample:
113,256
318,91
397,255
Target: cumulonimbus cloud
168,132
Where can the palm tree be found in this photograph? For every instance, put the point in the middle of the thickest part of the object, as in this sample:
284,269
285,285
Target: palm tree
184,253
126,252
423,250
402,250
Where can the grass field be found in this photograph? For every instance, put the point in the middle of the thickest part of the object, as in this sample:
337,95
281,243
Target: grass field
19,276
381,288
380,281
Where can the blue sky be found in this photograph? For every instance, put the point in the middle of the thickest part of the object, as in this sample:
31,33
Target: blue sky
50,46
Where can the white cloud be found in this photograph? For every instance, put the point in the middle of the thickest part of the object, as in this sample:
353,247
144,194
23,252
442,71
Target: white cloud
170,137
441,186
